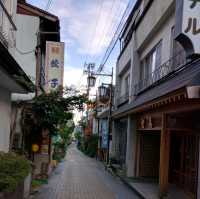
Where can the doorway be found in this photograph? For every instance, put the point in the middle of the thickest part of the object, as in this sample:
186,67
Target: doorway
183,169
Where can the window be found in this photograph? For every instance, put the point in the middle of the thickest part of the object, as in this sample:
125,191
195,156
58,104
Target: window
127,84
152,62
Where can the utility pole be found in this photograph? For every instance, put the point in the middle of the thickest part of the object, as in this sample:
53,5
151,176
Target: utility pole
89,72
91,81
110,117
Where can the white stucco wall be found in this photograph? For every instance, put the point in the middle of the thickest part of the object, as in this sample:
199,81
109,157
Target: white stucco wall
158,9
123,82
5,119
125,58
26,41
164,34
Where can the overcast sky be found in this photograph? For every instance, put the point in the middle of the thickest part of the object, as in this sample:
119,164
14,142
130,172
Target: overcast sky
87,26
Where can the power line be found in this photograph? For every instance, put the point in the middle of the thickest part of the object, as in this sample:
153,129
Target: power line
48,5
105,31
96,25
115,37
109,26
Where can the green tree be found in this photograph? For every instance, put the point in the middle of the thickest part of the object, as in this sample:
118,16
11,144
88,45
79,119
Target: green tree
54,109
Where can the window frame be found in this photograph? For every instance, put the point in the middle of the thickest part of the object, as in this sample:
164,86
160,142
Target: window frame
147,69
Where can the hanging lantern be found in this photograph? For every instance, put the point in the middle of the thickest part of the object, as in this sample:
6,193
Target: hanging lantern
104,94
35,148
91,81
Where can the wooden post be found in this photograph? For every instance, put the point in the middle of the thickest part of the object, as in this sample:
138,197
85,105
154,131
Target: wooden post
164,158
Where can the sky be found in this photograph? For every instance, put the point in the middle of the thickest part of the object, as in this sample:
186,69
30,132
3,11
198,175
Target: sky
87,27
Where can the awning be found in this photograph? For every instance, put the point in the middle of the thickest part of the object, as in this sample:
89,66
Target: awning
187,76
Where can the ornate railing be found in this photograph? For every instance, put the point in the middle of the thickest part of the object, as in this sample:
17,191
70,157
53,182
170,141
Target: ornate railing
123,99
7,27
164,70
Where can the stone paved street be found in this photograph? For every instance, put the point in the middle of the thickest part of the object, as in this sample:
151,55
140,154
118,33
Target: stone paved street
80,177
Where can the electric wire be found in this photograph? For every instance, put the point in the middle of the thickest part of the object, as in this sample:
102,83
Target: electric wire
101,41
96,25
99,11
105,30
116,37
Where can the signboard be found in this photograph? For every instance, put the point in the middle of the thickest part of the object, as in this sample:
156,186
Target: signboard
188,25
54,65
104,133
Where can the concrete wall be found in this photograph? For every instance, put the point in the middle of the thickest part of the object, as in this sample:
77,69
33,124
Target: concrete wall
154,27
131,147
5,119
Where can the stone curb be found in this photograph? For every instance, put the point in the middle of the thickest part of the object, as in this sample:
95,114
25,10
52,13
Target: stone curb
126,183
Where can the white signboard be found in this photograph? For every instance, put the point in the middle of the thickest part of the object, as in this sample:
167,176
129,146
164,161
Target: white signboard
54,65
188,24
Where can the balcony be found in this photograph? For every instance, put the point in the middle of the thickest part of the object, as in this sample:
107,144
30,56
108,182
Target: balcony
7,27
123,99
168,68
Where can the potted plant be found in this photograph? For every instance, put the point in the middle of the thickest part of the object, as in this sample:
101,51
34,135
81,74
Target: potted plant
13,171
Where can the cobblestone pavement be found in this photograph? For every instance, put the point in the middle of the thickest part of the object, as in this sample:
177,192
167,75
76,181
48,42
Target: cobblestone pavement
80,177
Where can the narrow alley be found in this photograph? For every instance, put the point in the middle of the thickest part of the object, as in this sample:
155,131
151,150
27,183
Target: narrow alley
80,177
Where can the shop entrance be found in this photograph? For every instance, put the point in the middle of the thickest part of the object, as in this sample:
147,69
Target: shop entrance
183,170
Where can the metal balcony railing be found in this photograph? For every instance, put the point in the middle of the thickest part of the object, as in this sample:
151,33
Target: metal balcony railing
123,99
167,68
7,27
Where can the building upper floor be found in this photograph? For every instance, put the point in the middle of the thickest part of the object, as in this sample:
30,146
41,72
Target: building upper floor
150,48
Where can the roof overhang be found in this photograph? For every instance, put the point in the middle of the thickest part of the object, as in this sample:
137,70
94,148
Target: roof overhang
12,76
25,8
8,83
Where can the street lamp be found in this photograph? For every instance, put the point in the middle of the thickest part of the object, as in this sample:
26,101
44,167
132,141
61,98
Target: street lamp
104,93
91,80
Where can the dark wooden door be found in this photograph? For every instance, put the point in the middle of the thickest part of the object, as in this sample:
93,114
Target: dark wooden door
184,161
150,154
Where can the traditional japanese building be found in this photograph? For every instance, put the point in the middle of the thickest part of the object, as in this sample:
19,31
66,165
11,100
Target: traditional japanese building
157,96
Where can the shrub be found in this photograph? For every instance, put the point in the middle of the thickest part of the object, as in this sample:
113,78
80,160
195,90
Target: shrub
89,145
13,170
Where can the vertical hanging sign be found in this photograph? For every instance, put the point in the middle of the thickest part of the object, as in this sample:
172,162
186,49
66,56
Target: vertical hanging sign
54,65
188,25
104,130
